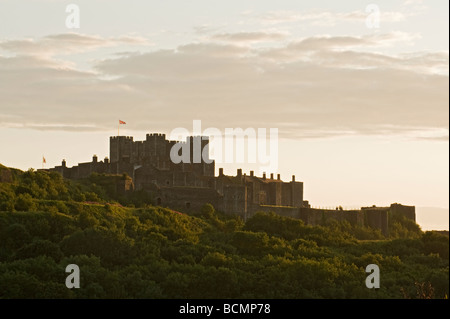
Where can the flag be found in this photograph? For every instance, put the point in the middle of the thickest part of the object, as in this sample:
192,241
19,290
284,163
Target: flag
44,161
122,122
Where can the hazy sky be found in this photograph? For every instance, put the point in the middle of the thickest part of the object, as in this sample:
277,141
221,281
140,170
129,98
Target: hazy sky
362,112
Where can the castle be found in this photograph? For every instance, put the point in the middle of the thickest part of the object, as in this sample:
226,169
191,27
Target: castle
189,185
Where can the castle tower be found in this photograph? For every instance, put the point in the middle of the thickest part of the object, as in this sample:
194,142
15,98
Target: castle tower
120,148
199,155
208,164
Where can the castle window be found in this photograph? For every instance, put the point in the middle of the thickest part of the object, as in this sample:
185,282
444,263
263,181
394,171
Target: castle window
188,205
167,182
158,201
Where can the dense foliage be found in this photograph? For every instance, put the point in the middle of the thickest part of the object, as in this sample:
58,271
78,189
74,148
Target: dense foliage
142,251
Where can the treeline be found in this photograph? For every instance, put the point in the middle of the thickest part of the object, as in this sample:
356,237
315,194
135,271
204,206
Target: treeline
153,252
24,188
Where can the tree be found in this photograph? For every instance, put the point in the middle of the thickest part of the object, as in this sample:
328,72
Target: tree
208,211
24,202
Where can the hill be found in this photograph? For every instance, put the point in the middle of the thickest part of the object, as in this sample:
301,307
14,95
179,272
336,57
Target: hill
128,248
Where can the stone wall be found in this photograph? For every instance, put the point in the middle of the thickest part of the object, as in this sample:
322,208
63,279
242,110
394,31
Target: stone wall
403,210
293,212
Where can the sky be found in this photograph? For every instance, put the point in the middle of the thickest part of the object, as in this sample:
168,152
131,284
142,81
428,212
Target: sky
358,90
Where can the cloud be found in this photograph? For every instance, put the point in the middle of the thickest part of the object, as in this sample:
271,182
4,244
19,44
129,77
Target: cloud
359,53
316,87
327,42
249,37
65,44
325,18
213,50
57,127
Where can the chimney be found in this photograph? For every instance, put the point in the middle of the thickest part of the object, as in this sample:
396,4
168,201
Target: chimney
293,178
63,164
271,175
239,172
264,175
278,177
220,171
252,173
94,159
106,160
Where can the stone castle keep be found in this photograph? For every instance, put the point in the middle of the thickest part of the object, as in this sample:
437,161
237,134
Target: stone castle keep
188,186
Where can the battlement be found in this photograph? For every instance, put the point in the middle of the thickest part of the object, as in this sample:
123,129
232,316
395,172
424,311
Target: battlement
156,135
121,138
189,139
264,176
205,138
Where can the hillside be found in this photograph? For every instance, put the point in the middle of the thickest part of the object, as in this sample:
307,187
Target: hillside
128,248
